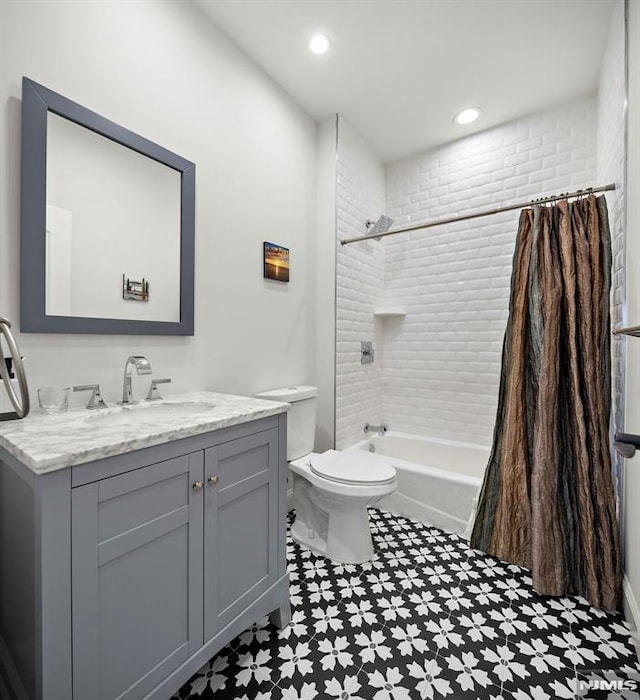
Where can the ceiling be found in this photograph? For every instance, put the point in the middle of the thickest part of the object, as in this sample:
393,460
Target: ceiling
399,70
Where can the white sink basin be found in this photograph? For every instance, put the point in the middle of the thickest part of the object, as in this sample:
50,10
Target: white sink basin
144,414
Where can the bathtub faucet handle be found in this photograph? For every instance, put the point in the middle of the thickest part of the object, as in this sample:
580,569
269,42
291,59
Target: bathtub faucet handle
380,429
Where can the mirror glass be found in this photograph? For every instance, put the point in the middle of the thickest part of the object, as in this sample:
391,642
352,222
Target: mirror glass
107,225
112,214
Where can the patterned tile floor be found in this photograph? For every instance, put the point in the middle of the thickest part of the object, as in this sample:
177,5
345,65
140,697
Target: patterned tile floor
426,618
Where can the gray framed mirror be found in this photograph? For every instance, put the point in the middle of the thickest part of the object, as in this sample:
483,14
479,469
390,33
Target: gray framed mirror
107,225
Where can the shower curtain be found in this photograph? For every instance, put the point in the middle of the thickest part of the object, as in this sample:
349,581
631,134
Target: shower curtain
547,502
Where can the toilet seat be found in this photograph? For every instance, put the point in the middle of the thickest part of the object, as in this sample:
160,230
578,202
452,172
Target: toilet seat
354,468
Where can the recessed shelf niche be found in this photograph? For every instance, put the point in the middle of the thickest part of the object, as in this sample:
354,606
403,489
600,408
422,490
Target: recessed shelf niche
389,312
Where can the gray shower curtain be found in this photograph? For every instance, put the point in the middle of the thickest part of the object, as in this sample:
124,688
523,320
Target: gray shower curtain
547,502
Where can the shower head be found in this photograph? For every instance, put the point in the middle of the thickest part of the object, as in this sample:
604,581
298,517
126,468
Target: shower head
382,225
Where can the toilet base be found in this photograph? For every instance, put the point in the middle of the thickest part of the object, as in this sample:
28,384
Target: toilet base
305,537
331,516
349,536
356,549
333,525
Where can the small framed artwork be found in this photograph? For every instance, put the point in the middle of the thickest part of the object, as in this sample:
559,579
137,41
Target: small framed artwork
276,262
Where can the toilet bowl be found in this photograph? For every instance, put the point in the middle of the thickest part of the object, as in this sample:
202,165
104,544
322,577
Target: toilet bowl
332,490
331,494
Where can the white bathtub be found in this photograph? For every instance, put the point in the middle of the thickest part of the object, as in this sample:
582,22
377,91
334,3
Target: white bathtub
437,480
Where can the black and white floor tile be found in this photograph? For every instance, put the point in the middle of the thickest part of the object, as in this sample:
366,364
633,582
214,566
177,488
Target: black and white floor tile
426,618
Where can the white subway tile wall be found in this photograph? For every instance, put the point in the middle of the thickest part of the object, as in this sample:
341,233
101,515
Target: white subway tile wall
442,363
360,195
437,370
611,168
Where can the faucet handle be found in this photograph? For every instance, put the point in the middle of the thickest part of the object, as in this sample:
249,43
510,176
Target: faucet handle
154,394
96,400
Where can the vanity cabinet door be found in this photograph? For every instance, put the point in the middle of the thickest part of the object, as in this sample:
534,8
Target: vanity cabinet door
136,578
241,520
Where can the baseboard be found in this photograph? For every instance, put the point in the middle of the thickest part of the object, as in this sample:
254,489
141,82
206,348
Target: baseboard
10,684
631,612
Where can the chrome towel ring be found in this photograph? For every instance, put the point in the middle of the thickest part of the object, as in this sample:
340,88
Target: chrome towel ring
20,403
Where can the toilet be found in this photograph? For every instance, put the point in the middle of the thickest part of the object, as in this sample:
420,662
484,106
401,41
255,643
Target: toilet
331,490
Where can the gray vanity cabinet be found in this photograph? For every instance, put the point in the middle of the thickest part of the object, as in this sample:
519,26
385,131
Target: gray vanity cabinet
123,576
240,526
136,578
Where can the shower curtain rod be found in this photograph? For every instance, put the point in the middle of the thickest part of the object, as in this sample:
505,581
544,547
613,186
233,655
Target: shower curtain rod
486,212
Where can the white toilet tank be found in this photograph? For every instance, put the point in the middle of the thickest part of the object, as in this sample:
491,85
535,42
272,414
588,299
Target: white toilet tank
301,418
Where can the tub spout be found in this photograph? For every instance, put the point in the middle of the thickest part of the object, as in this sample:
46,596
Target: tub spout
380,429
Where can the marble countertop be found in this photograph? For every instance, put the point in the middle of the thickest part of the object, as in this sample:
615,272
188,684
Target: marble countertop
45,443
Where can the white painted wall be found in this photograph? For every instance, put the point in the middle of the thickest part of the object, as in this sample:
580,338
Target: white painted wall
631,510
325,336
161,69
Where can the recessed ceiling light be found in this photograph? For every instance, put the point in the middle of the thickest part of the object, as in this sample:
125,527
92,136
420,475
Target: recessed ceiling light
467,115
319,44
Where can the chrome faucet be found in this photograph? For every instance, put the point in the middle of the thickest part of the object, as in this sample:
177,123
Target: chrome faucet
380,429
143,366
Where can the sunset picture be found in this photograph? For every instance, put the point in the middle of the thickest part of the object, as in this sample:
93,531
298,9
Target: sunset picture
276,262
